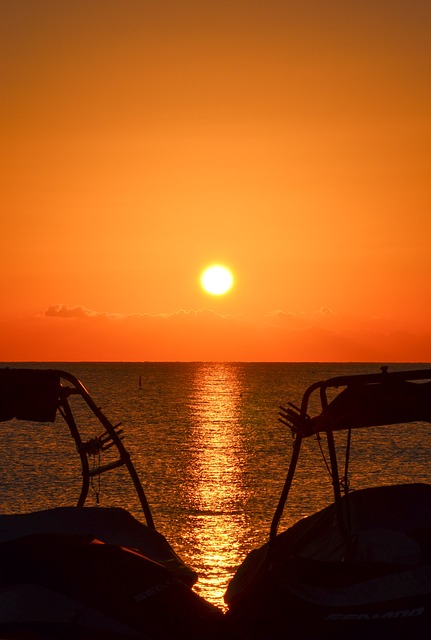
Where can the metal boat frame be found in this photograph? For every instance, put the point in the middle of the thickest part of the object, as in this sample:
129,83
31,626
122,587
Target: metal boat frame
37,394
367,400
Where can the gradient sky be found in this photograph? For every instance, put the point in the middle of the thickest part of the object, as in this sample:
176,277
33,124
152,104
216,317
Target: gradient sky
143,141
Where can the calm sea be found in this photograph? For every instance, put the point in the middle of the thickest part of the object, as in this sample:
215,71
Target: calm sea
209,450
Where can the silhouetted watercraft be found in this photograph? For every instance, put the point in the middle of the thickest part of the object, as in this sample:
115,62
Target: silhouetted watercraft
361,567
89,572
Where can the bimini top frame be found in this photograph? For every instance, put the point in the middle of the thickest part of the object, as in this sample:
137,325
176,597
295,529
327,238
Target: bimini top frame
38,394
365,400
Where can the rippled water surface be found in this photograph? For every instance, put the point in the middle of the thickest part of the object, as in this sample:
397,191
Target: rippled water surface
209,450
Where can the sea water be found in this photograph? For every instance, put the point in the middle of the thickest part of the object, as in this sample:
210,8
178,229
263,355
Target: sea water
210,452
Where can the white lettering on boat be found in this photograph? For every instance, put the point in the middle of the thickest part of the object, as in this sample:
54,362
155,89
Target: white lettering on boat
152,591
402,613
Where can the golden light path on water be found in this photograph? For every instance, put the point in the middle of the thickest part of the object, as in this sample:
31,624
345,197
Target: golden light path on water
216,488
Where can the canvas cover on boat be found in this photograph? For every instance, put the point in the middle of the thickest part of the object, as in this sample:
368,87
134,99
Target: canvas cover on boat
143,598
29,394
390,526
373,405
387,524
112,525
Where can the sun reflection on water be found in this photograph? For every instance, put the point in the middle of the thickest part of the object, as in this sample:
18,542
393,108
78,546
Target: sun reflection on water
215,490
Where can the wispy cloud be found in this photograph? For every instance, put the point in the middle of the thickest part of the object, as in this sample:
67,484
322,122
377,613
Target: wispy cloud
181,315
77,311
73,332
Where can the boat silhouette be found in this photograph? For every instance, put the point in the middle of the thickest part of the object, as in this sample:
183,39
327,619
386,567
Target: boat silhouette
90,572
361,567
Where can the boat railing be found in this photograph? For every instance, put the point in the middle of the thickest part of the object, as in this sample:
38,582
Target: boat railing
39,394
361,401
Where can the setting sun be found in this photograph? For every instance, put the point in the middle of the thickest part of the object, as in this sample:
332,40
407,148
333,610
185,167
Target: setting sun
217,280
243,197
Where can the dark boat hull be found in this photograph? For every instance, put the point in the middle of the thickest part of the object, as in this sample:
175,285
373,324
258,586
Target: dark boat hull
74,586
303,585
276,608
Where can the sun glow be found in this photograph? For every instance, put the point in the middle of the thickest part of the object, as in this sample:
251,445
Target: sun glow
217,280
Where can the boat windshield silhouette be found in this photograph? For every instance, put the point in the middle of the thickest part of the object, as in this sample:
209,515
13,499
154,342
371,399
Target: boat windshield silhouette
361,566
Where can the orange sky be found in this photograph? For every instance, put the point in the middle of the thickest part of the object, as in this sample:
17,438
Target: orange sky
142,141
